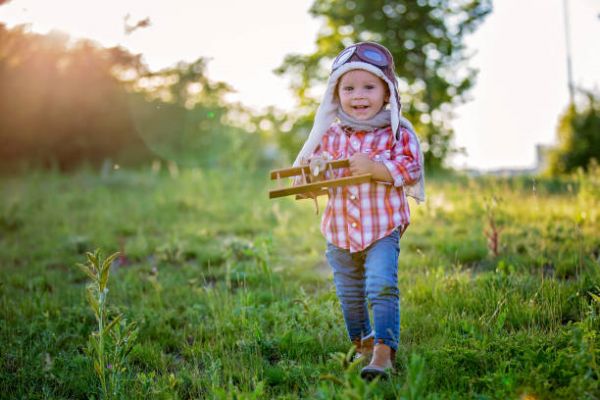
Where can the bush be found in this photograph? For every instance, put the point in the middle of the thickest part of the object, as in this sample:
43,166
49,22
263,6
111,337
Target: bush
578,137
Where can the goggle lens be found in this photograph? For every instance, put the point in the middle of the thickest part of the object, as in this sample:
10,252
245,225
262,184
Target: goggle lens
373,56
343,57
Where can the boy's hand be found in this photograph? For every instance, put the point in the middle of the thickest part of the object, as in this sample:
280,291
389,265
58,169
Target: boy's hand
360,164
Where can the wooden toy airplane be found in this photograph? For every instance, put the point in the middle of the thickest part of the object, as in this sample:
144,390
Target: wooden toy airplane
314,182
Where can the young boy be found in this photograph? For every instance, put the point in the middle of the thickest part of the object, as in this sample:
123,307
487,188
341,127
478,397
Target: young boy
363,223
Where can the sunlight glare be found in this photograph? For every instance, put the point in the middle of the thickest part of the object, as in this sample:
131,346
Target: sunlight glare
103,21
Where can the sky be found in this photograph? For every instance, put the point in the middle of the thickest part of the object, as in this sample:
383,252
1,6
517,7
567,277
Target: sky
519,50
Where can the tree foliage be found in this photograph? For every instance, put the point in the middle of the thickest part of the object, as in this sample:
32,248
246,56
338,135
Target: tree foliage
426,39
55,95
65,102
181,114
578,137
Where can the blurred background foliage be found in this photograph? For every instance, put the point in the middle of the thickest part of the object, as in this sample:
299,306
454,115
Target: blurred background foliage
60,102
65,103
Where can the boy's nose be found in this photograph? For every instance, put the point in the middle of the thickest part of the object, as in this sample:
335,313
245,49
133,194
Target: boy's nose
359,94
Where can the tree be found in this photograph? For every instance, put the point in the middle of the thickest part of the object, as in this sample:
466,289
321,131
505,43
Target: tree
66,102
578,137
426,39
60,101
182,115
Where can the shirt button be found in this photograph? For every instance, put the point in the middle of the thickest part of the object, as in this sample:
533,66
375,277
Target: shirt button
354,224
352,197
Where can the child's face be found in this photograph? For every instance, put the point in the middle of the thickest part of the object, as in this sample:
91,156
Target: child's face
362,94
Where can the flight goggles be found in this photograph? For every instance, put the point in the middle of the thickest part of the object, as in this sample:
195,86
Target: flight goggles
368,52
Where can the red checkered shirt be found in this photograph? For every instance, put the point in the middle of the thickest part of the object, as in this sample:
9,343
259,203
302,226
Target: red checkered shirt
358,215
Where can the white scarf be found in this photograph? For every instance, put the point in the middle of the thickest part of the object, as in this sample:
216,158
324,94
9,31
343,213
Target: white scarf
379,120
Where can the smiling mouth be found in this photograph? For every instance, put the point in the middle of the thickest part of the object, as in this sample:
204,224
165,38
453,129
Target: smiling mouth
360,107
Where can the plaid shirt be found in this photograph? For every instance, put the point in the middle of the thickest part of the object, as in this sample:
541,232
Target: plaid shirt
358,215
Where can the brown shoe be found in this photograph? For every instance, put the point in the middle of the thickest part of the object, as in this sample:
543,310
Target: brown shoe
364,348
382,363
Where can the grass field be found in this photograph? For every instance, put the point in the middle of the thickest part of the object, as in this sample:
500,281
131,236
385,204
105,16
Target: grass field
233,299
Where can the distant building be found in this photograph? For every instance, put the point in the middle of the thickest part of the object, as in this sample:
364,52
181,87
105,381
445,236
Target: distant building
541,154
541,164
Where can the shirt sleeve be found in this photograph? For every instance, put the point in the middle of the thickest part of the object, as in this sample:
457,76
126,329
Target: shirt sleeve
405,163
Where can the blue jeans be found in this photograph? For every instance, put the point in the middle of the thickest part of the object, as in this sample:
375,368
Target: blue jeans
370,274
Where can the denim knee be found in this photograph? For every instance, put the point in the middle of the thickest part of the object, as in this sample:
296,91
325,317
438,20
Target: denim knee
382,290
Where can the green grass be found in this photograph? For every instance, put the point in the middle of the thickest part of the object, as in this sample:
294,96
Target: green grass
233,298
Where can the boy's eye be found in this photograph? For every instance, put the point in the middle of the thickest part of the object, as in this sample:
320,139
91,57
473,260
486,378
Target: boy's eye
348,88
369,87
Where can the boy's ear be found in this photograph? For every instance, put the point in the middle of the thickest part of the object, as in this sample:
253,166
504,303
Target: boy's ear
336,96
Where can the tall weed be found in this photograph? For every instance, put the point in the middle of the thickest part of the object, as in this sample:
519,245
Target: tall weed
109,346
